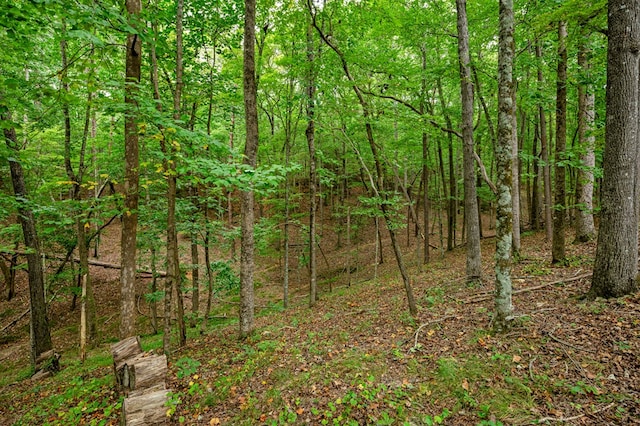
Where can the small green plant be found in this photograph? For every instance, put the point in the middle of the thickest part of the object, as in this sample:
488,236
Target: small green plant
438,419
186,367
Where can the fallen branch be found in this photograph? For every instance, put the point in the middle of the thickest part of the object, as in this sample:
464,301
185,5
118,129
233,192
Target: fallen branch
569,419
15,321
569,344
415,341
483,297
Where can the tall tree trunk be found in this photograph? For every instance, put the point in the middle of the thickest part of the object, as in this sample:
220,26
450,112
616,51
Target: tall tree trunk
425,197
515,181
378,186
88,327
544,154
173,254
452,202
616,263
503,154
559,212
474,258
130,215
40,335
535,206
250,158
585,228
310,133
195,278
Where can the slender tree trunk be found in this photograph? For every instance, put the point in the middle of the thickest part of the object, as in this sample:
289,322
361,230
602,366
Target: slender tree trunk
130,215
544,154
250,158
585,228
474,258
616,263
195,278
503,154
310,133
378,186
559,212
40,335
515,181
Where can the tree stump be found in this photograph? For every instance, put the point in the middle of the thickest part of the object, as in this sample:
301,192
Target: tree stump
141,377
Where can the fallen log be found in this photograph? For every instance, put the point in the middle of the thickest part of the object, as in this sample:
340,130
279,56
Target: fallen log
124,349
145,408
143,371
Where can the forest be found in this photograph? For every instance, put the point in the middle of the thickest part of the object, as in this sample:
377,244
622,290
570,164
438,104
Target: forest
319,211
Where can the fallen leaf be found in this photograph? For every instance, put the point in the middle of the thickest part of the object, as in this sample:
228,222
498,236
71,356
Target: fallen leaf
465,385
517,358
299,411
214,421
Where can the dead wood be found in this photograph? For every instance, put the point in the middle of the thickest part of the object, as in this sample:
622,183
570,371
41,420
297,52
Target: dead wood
483,296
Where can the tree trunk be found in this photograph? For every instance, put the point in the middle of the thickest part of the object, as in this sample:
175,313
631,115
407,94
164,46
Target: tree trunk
474,258
503,154
558,243
616,263
515,181
130,215
377,186
544,155
250,159
310,133
39,325
585,228
195,278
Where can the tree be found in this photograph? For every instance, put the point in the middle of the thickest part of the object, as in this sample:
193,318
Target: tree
616,263
585,228
250,159
130,214
559,212
503,153
310,133
39,325
474,258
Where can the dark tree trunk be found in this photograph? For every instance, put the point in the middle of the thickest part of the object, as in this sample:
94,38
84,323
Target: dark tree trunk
130,215
39,325
558,243
474,258
616,263
310,133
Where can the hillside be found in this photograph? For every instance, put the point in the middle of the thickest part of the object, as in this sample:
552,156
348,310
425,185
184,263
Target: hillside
358,357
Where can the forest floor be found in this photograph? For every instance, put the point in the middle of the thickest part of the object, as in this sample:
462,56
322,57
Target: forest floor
358,357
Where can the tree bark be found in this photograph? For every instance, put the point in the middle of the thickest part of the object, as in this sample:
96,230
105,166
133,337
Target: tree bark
130,215
558,243
250,158
616,262
503,154
310,133
585,228
39,325
474,257
544,154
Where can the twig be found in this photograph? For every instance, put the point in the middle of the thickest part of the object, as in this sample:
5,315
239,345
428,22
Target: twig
483,297
569,419
531,368
569,344
415,341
